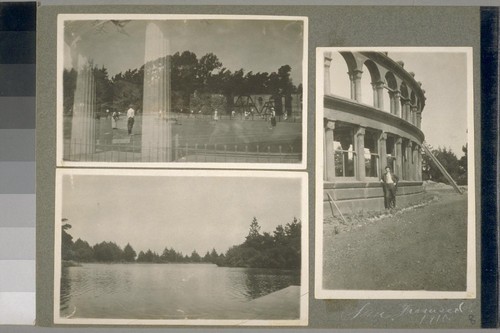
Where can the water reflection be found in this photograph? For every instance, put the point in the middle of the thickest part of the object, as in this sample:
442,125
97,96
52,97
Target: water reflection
65,290
260,282
169,291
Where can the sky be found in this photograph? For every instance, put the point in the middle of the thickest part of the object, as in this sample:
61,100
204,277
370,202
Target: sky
444,79
185,213
254,45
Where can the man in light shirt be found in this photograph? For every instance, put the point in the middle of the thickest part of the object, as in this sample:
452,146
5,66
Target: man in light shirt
130,119
390,184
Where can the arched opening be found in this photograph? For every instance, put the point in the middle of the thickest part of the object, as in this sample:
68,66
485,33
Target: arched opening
418,116
375,89
404,90
390,100
413,113
340,84
366,87
405,101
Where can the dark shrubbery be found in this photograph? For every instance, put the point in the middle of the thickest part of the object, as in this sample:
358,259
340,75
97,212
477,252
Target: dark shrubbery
457,168
280,250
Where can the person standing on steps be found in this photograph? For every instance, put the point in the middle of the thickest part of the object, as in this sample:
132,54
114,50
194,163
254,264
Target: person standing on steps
390,185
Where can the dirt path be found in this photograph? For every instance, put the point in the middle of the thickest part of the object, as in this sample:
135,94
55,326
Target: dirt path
420,249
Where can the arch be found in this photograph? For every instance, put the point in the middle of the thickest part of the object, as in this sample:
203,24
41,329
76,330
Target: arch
405,99
386,100
366,86
350,60
413,98
404,90
373,70
390,98
390,79
377,84
340,84
413,102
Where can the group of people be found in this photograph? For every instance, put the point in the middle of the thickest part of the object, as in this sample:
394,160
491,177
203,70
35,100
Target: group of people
115,116
246,115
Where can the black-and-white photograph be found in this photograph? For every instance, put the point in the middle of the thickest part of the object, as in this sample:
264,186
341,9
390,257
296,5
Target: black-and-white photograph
185,90
181,247
395,206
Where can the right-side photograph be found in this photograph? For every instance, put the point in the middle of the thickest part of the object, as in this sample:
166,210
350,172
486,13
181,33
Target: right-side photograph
395,204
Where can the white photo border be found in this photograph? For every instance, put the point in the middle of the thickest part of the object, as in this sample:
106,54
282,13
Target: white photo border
61,18
470,292
304,274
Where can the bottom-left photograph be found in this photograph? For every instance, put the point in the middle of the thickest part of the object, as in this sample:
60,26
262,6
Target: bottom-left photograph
171,247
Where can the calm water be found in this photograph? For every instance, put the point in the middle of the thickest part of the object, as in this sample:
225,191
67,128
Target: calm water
169,291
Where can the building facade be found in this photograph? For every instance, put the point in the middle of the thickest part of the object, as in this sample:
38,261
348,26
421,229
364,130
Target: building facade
361,139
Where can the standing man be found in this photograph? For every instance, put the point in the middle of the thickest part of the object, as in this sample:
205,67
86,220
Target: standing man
273,118
130,119
114,120
390,184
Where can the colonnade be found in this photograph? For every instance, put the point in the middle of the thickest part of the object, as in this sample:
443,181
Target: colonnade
404,158
403,104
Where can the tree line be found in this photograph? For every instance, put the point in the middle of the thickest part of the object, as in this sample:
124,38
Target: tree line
279,250
457,168
189,75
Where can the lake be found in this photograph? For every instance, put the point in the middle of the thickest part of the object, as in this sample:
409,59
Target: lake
177,291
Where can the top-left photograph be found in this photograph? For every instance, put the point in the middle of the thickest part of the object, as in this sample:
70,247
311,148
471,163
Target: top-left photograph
221,91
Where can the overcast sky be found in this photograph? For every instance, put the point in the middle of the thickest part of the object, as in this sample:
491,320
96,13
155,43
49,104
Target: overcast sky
254,45
444,79
186,213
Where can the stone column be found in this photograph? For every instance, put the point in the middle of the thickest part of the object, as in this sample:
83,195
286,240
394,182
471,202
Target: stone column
407,167
419,164
405,111
355,77
353,90
419,119
156,120
327,78
382,152
410,161
360,153
414,173
399,158
414,110
82,143
329,159
395,103
378,96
